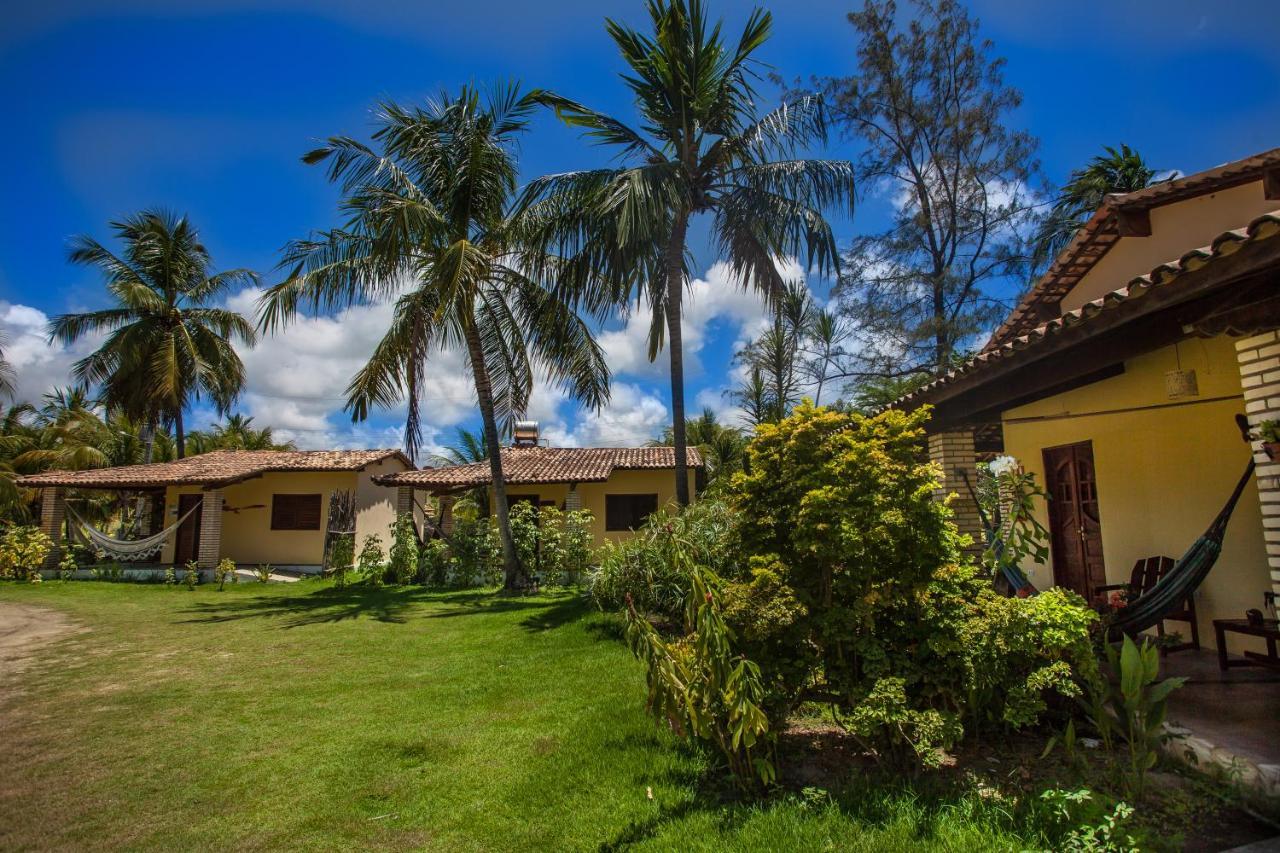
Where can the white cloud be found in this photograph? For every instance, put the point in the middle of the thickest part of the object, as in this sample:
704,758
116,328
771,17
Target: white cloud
40,366
297,379
716,296
634,415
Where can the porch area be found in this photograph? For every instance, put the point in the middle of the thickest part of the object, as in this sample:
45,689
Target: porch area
1227,719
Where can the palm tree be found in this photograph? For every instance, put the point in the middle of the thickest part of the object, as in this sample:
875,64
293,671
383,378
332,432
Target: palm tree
239,433
723,448
700,149
824,345
167,345
1112,171
468,448
431,225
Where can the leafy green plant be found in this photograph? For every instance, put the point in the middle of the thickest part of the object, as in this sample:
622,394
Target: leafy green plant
1269,431
701,685
1019,534
192,576
433,563
23,550
262,572
403,559
114,572
525,534
371,563
226,568
577,545
1130,706
67,566
640,567
852,591
341,555
170,576
1084,825
475,553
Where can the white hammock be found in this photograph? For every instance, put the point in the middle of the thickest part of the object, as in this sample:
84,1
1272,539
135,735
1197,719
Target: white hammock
125,549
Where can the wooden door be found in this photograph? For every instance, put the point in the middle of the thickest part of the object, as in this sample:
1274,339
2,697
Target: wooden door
1075,526
187,545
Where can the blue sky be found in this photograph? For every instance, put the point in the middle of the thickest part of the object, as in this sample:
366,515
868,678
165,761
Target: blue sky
206,106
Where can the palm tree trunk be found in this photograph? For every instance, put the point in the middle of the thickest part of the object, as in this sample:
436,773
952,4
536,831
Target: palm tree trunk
181,436
143,505
514,575
675,291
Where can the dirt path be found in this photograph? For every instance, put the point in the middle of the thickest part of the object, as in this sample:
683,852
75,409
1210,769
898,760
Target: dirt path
23,630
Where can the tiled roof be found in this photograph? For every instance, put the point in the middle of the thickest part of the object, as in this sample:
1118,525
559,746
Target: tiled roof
210,469
528,465
1101,232
1264,227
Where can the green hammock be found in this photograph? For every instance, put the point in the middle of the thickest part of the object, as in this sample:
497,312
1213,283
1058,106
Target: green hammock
1183,577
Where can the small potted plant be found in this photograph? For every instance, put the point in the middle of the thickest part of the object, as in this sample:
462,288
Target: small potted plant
1269,432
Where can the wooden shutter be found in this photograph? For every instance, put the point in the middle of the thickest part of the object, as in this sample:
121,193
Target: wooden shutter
295,512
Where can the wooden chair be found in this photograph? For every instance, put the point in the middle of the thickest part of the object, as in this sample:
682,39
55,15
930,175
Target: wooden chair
1146,574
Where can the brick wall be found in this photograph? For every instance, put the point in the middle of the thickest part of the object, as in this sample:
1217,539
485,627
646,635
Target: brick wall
954,452
1259,358
210,550
53,510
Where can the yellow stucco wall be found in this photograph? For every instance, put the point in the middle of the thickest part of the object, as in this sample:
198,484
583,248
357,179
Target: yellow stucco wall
661,482
1163,474
247,536
376,505
1175,230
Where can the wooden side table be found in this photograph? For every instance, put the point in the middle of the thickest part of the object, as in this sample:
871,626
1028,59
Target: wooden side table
1269,630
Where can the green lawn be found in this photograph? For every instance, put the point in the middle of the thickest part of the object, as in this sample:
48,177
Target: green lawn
302,716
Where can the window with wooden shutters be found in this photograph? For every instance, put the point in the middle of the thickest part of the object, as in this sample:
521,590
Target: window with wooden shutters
627,512
295,512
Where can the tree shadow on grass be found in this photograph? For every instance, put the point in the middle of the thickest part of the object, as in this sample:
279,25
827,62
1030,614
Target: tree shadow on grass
385,604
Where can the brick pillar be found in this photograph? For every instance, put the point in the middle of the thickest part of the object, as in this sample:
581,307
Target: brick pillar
446,515
210,551
53,511
954,453
1259,358
573,500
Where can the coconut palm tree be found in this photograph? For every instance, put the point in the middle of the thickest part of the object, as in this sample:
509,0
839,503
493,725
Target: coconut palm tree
723,448
1113,171
700,148
239,433
430,224
167,345
468,448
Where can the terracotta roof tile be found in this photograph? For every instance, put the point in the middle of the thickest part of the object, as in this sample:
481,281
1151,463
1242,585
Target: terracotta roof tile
1263,227
528,465
209,469
1100,233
